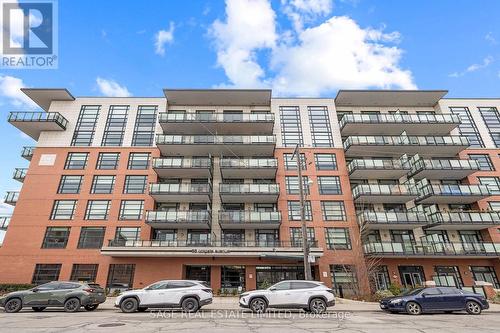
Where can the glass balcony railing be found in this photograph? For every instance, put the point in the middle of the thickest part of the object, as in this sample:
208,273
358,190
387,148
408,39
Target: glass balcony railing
27,152
445,165
466,217
19,174
375,189
179,188
360,164
4,222
181,163
38,117
391,217
249,163
11,197
178,216
262,189
244,216
215,139
205,243
216,117
433,249
399,119
378,140
453,190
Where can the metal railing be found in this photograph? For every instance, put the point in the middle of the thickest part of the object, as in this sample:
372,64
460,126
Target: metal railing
27,152
19,174
380,140
216,117
249,189
376,189
391,217
399,119
181,163
249,163
377,165
4,222
178,216
208,243
452,190
426,164
429,248
163,139
245,216
11,197
159,188
465,217
39,116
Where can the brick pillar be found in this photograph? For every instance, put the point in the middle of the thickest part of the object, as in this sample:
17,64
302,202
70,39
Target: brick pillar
250,278
327,278
215,278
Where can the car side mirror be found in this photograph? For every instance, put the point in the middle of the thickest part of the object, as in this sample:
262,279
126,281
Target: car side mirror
35,290
272,288
424,295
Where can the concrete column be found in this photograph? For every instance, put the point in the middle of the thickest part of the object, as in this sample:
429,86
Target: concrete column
216,202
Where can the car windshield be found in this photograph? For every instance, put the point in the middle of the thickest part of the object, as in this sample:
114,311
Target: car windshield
412,292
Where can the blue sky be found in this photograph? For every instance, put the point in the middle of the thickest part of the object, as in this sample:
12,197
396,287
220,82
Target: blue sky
296,47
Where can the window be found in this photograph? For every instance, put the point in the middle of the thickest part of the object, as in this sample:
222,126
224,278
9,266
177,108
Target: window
494,205
325,161
145,122
85,125
63,210
70,184
333,210
491,118
76,161
103,185
291,128
108,161
127,234
292,184
45,273
294,210
97,210
291,164
483,160
115,126
468,128
493,184
120,276
329,185
344,280
84,272
340,114
138,161
91,237
55,238
135,184
338,239
321,131
131,209
485,273
296,236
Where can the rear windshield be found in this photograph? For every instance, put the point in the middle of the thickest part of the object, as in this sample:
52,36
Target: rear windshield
412,292
94,285
205,284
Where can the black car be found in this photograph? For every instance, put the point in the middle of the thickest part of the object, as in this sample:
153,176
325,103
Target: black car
435,299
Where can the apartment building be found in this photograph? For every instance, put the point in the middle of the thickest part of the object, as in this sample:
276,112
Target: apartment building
400,187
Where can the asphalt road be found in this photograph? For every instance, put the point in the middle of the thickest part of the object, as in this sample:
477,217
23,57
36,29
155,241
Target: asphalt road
224,316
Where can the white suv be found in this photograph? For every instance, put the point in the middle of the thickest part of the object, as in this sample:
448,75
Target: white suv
311,296
186,294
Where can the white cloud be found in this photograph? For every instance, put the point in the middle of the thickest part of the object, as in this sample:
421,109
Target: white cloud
490,38
10,90
163,37
111,88
304,11
320,59
474,67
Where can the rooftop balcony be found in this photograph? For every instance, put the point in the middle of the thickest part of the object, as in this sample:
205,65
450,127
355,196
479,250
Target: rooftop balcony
391,220
27,153
11,197
216,145
33,123
209,249
249,220
183,167
19,174
465,220
262,193
178,219
377,169
395,124
4,222
181,192
442,169
451,194
434,250
254,168
426,146
366,193
217,123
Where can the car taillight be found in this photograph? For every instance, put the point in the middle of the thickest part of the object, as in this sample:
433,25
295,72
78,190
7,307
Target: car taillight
207,290
89,290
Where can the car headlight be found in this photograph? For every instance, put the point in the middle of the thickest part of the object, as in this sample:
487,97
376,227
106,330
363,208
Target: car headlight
396,301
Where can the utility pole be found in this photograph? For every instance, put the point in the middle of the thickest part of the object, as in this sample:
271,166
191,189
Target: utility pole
305,243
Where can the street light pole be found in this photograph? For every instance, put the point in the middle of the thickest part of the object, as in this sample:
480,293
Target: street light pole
305,243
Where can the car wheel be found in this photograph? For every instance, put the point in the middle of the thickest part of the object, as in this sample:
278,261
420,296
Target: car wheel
91,307
38,308
413,308
473,308
317,306
72,305
13,305
190,304
129,305
142,309
258,305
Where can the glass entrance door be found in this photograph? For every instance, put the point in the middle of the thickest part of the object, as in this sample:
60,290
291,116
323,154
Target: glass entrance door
199,273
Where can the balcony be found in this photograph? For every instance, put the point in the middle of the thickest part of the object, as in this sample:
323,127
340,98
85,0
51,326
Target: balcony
442,169
209,249
446,146
451,194
11,198
249,220
254,168
19,174
391,220
179,167
216,145
33,123
181,192
217,123
4,222
377,169
373,194
27,153
429,249
178,219
464,220
236,193
395,124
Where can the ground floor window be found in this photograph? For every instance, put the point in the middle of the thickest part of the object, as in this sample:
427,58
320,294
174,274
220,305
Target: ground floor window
45,273
84,272
380,278
269,275
344,280
411,276
448,276
120,276
232,277
199,273
485,273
